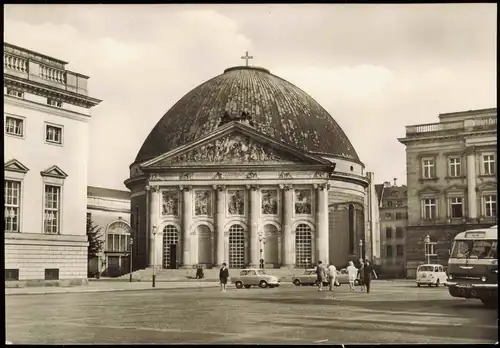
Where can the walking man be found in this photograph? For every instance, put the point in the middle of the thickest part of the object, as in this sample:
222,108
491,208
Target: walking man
223,276
332,276
320,275
368,271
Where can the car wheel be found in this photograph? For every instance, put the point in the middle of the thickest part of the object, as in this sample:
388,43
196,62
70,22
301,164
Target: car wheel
248,286
238,285
437,283
418,284
429,285
296,282
263,284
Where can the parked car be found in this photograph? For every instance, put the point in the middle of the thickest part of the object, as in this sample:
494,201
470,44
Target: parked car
307,278
431,274
343,277
255,277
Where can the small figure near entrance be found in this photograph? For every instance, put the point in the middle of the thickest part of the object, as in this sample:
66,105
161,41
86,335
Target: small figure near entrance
199,272
223,277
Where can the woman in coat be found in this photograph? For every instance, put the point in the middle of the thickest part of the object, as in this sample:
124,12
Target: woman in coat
352,273
223,277
361,275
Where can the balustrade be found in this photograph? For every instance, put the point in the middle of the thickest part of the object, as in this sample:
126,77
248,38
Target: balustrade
52,74
15,63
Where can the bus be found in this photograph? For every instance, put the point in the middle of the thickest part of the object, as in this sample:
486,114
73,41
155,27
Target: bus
473,266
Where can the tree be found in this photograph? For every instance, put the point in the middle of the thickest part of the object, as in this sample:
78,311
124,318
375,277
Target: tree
96,242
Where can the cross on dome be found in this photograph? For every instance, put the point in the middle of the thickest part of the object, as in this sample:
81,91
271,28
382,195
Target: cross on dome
246,57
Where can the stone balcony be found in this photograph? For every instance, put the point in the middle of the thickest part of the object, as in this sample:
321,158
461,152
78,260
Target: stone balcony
443,128
32,66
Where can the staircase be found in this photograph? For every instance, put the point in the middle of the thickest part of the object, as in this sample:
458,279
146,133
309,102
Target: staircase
285,274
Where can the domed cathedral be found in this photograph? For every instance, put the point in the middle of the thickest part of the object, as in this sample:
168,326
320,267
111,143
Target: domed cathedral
246,169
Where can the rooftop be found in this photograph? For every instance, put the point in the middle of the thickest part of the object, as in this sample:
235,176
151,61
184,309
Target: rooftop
102,192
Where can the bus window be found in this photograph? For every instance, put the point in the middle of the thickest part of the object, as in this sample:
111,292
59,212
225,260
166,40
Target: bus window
477,249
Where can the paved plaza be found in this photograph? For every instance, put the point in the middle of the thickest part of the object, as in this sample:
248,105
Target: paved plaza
395,312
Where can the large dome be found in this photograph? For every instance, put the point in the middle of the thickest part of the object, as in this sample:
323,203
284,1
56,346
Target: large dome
278,108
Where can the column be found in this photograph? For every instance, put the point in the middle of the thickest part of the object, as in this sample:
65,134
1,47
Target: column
220,212
286,225
322,242
471,183
253,223
154,217
187,220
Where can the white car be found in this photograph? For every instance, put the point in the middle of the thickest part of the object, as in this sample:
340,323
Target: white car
431,274
255,277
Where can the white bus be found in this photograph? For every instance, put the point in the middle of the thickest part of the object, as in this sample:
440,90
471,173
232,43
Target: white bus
473,266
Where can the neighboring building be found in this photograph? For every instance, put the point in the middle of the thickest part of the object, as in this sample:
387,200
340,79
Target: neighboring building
244,156
372,216
393,224
452,181
110,210
46,115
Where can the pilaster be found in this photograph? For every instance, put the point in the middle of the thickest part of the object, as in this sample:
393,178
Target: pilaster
220,191
187,219
471,183
322,242
154,216
253,224
286,223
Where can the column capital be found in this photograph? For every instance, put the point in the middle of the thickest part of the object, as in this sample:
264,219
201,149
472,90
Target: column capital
186,188
322,187
470,150
285,187
252,187
219,187
151,188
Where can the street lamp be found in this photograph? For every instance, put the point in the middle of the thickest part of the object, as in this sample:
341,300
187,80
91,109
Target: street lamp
154,256
131,257
262,239
360,248
427,240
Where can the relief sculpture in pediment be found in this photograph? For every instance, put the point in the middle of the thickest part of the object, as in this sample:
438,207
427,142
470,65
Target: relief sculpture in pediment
232,148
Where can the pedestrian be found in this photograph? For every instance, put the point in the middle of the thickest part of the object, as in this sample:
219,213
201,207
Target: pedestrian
352,273
223,276
361,274
320,275
368,272
332,276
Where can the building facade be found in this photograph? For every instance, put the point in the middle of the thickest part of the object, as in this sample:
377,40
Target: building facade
393,225
109,211
452,181
372,216
247,167
46,114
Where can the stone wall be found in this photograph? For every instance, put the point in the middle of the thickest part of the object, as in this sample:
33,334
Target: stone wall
31,254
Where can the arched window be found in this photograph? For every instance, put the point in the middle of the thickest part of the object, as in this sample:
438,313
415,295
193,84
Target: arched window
236,247
118,237
170,242
303,246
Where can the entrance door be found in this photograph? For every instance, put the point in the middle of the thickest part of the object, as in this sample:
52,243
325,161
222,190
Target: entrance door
173,256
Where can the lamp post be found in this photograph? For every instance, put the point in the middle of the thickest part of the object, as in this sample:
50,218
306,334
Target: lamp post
154,256
360,248
427,240
131,257
262,240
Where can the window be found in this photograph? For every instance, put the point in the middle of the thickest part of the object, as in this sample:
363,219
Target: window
14,126
388,251
399,204
489,164
11,274
12,205
89,218
51,274
14,93
454,166
429,168
399,232
53,134
456,206
53,102
118,239
429,208
388,204
388,232
490,205
400,250
430,249
388,216
400,216
52,209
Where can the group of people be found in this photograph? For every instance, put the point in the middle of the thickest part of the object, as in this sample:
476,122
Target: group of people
363,275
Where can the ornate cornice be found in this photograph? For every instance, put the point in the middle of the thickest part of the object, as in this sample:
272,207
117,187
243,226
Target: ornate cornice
186,188
252,175
285,175
219,187
322,187
55,93
285,187
218,176
252,187
185,176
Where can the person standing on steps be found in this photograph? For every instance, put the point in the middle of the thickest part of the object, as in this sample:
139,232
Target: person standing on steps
320,275
223,277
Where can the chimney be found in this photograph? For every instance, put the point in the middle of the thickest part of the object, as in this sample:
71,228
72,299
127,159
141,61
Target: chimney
395,180
387,184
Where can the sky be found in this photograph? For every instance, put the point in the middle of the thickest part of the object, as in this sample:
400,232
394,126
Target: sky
374,68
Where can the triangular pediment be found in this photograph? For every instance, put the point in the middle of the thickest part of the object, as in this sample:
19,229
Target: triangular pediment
15,166
54,172
456,188
234,144
429,190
